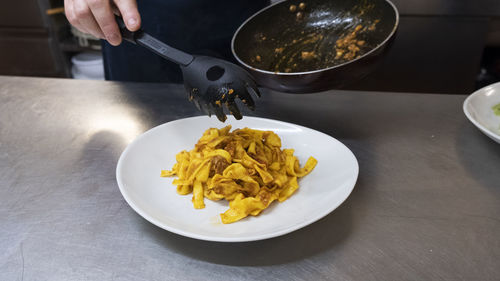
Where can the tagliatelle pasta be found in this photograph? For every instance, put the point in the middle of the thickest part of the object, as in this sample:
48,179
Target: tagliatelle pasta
246,167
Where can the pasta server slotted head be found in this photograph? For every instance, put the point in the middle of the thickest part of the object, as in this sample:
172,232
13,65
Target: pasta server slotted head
211,83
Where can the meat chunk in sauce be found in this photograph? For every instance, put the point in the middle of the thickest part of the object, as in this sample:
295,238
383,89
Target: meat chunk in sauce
219,164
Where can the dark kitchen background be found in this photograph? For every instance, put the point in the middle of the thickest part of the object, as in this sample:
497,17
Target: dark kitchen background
442,46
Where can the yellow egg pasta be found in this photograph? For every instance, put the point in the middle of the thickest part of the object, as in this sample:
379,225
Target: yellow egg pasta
245,167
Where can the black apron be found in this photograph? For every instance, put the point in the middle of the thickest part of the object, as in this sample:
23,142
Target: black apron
203,27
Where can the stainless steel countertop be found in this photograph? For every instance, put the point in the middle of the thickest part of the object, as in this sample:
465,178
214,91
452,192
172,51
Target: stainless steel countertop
426,205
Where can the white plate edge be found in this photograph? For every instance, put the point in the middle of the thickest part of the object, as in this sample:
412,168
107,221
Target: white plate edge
476,123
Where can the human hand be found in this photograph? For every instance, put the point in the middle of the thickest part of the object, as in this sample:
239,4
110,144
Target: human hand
96,17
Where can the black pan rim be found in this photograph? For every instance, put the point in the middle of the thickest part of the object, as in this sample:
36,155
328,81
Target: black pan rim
393,31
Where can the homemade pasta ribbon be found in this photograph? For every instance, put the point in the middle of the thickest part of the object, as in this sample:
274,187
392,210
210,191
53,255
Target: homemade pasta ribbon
246,167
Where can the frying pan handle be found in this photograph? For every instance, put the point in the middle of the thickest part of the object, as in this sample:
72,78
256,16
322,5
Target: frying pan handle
156,46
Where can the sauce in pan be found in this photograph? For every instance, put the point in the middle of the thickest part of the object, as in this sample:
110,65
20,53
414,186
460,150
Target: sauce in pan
316,41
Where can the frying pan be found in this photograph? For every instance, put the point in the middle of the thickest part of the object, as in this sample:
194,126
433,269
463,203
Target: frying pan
304,46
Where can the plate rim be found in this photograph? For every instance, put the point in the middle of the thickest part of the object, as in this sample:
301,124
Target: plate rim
250,238
473,120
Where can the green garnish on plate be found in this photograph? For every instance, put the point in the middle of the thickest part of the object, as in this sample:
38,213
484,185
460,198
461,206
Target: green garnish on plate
496,109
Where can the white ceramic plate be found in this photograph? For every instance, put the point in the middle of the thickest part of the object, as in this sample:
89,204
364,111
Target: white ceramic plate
478,108
155,198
